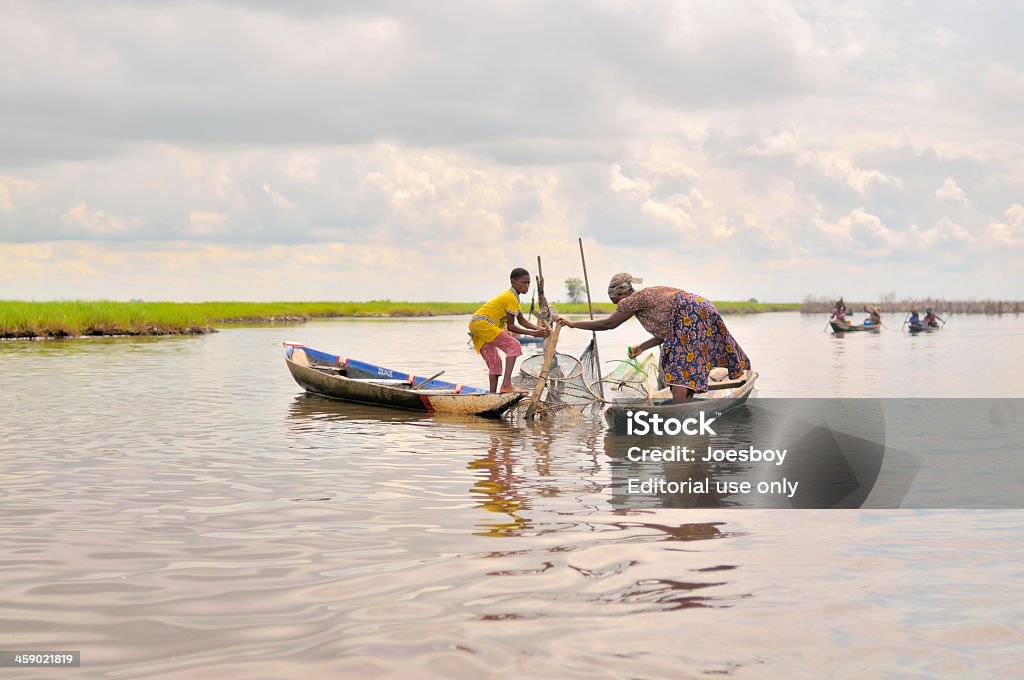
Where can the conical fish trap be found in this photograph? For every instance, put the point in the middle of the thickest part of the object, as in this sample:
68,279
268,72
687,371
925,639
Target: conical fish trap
563,367
565,385
573,384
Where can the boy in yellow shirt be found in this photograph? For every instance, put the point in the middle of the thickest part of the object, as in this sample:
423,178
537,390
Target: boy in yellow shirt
490,328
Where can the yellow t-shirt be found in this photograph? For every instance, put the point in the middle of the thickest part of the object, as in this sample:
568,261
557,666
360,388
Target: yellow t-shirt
496,311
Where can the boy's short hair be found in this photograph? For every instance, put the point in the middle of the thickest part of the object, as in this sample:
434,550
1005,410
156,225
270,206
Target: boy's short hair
517,273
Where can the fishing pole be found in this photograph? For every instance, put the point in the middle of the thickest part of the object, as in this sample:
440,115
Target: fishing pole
590,306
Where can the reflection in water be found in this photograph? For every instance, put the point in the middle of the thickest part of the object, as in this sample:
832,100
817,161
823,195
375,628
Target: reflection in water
627,472
683,532
540,479
498,487
669,595
309,411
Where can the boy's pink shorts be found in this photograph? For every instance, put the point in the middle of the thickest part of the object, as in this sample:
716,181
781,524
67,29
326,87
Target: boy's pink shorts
507,344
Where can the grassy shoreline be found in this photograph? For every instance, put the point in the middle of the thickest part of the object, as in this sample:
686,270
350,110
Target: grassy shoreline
77,318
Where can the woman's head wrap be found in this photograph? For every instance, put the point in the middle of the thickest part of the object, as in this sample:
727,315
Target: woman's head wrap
621,283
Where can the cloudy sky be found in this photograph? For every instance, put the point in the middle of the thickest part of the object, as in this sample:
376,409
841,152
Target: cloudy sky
418,151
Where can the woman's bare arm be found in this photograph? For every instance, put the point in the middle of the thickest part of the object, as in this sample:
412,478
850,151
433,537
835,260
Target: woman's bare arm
605,324
647,344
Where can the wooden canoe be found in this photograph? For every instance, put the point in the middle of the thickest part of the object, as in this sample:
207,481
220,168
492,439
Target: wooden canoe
847,327
336,377
720,397
921,328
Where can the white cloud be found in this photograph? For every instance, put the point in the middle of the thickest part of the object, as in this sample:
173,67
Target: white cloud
1010,232
304,167
276,198
946,232
865,232
951,191
638,187
83,219
1004,85
784,143
207,223
661,197
13,190
837,167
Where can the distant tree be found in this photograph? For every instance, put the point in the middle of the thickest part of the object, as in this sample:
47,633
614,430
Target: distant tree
574,287
754,300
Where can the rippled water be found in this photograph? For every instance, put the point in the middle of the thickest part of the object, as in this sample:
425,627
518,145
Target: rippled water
177,507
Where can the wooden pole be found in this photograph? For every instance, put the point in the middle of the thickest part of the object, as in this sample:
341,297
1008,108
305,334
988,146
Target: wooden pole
593,334
542,380
424,382
544,316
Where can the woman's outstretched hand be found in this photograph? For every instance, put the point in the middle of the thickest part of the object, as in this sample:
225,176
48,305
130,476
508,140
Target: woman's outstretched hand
541,333
565,322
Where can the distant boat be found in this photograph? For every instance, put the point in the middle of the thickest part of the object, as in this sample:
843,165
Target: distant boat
921,328
847,327
336,377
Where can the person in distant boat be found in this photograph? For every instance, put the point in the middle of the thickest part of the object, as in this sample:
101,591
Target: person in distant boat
931,319
914,319
489,330
839,310
874,316
690,330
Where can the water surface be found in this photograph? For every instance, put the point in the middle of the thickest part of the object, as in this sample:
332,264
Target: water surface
177,507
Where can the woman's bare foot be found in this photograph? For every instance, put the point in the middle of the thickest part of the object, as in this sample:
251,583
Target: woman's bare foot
508,389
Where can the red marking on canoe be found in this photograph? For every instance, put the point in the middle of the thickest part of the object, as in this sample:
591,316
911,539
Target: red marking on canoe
426,402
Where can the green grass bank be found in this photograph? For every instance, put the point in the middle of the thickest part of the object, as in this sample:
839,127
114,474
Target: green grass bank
75,318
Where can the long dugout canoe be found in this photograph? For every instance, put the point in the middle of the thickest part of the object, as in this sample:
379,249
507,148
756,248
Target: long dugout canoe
336,377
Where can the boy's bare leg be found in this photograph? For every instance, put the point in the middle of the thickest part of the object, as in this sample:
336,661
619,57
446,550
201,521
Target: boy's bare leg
506,382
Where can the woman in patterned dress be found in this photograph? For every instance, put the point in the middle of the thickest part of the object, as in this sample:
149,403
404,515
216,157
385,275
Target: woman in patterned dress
690,330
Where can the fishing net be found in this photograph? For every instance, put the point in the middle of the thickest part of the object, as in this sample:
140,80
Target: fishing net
573,384
566,384
563,367
630,382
